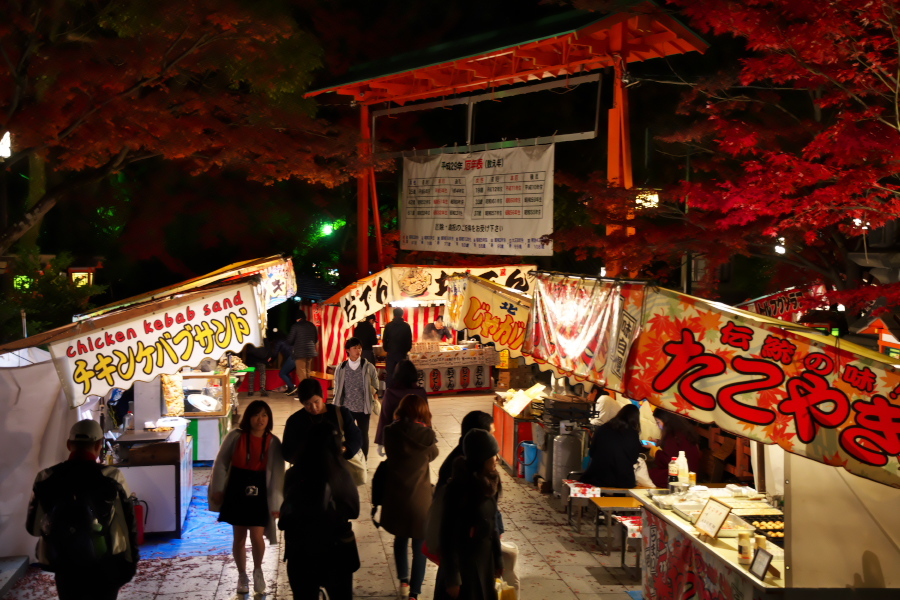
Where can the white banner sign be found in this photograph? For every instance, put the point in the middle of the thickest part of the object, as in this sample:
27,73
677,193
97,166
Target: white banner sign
423,284
157,343
494,202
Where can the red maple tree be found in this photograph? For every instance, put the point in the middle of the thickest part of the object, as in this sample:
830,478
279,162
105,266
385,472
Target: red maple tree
94,86
795,151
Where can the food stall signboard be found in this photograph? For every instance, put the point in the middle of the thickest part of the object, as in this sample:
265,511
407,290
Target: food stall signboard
160,342
494,315
493,202
712,517
584,327
713,363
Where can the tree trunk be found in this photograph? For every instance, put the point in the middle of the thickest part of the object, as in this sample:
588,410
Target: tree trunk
37,189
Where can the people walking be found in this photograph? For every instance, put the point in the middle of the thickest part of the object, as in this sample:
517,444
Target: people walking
397,342
410,445
356,388
470,542
314,411
259,358
320,499
405,382
367,335
303,339
246,489
81,512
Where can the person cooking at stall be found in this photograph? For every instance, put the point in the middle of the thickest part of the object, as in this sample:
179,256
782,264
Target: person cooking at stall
437,331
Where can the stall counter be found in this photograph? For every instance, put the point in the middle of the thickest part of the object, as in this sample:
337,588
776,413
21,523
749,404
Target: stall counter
678,564
510,431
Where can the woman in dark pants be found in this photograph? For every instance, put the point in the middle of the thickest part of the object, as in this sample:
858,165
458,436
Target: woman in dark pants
410,444
470,543
320,499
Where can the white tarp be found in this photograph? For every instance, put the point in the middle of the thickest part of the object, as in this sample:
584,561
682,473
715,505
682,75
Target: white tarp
33,430
493,202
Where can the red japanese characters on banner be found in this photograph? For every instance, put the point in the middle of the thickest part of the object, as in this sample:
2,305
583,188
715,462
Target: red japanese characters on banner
769,384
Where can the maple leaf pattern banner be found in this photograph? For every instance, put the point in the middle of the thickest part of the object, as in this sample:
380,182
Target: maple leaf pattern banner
813,396
769,384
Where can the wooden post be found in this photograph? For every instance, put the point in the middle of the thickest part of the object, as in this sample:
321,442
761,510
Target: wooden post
362,196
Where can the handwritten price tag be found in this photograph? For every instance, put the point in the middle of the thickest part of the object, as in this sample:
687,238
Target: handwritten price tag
712,517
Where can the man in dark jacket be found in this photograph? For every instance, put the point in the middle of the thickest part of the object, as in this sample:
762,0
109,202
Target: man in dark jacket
368,337
303,338
70,498
314,411
397,340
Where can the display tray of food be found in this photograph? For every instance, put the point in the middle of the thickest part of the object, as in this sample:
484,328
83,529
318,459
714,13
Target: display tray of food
688,510
770,526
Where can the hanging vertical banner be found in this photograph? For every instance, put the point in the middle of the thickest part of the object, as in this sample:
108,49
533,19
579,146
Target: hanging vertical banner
493,202
494,313
584,327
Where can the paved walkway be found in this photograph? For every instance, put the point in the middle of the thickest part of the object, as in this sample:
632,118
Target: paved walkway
554,562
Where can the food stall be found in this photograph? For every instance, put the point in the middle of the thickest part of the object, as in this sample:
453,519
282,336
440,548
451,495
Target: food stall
829,405
132,344
421,291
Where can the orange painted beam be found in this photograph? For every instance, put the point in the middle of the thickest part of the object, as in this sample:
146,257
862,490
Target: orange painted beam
362,196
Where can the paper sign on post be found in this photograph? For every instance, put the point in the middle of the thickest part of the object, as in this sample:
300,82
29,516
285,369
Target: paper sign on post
712,517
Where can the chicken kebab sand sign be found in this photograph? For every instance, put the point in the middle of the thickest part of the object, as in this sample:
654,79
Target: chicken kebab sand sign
181,334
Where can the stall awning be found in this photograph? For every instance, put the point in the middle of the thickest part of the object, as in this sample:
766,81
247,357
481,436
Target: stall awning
768,380
160,332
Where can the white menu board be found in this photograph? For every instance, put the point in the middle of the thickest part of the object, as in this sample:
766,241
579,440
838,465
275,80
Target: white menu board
493,202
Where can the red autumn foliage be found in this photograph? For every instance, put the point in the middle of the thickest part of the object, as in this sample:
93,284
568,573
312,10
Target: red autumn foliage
800,143
92,87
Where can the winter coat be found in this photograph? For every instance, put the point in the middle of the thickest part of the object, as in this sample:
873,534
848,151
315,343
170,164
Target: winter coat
299,424
274,477
397,338
613,453
366,334
671,445
302,338
370,375
470,542
409,447
389,404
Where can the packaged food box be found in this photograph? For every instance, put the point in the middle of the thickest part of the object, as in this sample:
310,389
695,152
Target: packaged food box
733,526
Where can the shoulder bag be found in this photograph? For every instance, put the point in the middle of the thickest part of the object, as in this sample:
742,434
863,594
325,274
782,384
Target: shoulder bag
357,464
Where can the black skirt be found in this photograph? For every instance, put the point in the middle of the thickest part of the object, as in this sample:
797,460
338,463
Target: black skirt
245,502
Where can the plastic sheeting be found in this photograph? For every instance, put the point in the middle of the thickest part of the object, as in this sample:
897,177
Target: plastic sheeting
202,535
33,429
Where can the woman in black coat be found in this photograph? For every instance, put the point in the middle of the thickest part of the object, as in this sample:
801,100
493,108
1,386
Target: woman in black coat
403,384
411,445
320,499
470,543
614,450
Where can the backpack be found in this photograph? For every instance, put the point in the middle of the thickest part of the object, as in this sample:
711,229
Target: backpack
79,504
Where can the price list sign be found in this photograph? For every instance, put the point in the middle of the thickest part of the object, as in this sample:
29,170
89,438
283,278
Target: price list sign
494,202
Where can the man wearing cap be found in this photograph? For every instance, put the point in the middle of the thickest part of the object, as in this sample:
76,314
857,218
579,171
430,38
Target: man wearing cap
397,341
57,497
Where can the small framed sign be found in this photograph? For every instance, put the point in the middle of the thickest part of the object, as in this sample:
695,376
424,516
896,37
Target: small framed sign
712,517
760,563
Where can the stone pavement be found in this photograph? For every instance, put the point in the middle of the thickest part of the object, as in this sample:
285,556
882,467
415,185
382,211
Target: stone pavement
554,561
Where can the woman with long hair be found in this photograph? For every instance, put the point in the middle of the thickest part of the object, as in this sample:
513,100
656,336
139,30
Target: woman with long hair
410,444
246,489
470,542
614,449
678,435
405,382
320,499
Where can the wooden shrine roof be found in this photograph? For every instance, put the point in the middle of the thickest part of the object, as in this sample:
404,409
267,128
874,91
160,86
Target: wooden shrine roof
566,44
